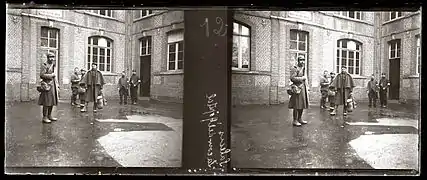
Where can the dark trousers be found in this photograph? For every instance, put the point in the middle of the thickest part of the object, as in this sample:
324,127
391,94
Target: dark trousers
323,98
123,92
331,101
134,93
74,95
372,95
383,97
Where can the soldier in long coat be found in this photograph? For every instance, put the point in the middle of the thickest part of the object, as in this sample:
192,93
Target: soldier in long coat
94,82
50,98
384,84
343,85
324,87
298,102
372,90
82,94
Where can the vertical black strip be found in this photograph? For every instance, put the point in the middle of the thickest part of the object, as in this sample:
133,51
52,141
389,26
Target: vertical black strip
206,83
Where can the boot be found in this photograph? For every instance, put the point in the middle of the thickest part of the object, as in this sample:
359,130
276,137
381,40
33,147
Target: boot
295,117
50,115
296,123
84,109
334,111
45,120
300,117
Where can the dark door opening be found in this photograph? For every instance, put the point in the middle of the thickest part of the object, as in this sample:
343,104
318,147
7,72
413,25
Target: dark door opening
394,75
145,67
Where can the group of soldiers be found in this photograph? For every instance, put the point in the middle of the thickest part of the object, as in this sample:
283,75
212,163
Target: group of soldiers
86,85
337,89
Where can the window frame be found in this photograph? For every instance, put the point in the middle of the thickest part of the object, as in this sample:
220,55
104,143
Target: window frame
418,55
90,54
148,46
180,40
148,12
347,14
54,50
98,12
397,14
397,48
356,69
241,36
297,51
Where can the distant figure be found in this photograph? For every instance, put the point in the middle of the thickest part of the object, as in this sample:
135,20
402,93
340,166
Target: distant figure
372,90
331,92
94,82
75,79
49,92
324,87
298,101
82,90
134,82
384,84
343,84
123,87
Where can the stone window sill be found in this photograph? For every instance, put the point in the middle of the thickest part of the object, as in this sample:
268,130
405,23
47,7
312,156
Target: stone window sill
166,73
266,73
415,76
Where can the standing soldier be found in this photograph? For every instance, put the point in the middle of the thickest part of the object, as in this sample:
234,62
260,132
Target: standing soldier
343,85
49,92
134,82
372,91
384,84
74,86
299,98
82,90
94,82
324,87
123,87
331,93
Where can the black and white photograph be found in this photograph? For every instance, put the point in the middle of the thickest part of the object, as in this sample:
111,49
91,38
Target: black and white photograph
326,89
94,87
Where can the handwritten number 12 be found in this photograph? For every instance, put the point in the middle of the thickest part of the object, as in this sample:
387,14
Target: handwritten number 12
216,31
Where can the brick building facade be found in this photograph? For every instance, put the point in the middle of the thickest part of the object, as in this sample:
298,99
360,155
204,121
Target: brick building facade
118,40
265,44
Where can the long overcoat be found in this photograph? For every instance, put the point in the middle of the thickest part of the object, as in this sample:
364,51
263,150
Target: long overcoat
49,98
298,101
93,81
343,84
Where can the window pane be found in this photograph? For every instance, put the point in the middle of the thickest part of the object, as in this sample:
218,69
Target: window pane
144,51
149,50
301,46
338,43
344,62
108,52
357,71
302,36
398,53
172,47
343,53
399,14
357,55
393,54
235,28
171,57
108,44
235,52
344,43
338,62
180,64
44,32
88,66
171,66
44,42
94,59
357,47
345,13
88,50
393,15
108,67
350,70
53,33
359,15
143,13
101,51
108,60
52,43
181,46
351,54
102,59
95,51
351,14
101,67
293,45
244,45
293,35
350,62
88,59
245,31
102,12
180,55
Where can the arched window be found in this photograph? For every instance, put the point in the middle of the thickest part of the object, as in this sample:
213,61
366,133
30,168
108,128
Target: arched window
100,51
241,46
349,55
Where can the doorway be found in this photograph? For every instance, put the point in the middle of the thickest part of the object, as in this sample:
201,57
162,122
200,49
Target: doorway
145,66
394,74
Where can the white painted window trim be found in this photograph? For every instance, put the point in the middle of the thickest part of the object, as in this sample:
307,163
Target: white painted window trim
298,51
339,56
90,59
54,50
176,56
395,43
341,13
147,51
240,36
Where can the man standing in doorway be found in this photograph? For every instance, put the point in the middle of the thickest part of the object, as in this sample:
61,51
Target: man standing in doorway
343,84
134,82
324,87
384,84
94,82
